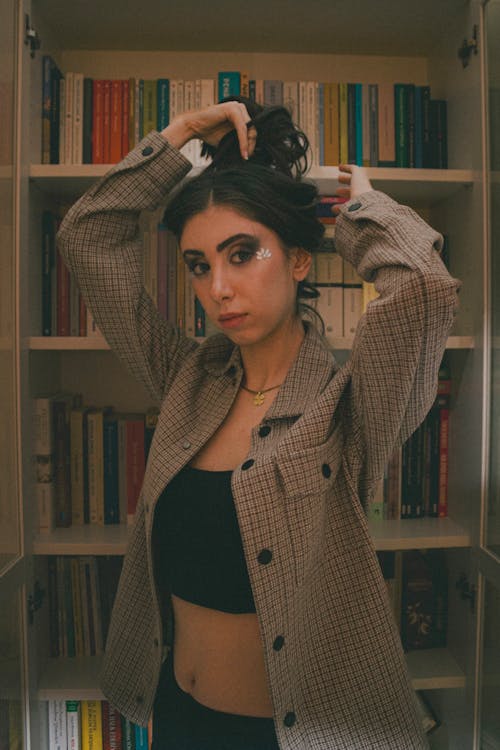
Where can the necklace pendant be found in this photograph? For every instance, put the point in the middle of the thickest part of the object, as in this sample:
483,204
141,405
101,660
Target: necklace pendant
258,399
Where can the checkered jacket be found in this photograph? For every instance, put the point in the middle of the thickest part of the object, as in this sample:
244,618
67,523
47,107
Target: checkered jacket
340,680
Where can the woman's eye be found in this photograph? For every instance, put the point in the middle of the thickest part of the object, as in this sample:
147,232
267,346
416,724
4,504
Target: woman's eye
242,255
198,268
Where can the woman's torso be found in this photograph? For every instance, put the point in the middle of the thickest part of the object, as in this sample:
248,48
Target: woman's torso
218,656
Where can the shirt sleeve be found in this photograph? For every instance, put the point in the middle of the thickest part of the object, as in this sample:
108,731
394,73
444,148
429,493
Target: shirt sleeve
99,240
401,338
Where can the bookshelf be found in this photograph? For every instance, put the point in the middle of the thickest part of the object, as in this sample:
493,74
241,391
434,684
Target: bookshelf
380,45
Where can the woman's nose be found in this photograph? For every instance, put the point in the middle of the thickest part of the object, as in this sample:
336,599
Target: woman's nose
221,288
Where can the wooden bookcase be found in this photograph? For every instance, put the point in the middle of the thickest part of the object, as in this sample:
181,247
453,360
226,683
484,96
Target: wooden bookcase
417,44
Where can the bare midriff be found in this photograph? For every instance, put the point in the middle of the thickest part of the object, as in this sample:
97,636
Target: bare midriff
218,659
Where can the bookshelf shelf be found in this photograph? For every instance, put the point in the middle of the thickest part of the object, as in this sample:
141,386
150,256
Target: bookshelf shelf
421,533
83,540
430,670
95,343
418,533
418,186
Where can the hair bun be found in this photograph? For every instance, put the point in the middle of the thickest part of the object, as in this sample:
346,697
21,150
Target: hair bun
280,144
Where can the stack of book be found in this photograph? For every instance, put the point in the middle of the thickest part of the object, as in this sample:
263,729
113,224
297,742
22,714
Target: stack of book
90,725
81,594
415,483
97,121
89,461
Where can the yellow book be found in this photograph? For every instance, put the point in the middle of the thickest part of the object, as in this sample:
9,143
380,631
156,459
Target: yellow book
150,118
369,293
91,713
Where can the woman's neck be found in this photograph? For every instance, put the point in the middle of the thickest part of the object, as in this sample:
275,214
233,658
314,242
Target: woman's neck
266,364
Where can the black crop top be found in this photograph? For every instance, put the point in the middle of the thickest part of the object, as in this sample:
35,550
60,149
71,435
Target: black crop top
197,545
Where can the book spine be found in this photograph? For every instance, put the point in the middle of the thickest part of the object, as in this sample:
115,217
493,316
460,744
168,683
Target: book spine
410,125
91,712
53,607
116,120
98,122
62,121
63,297
229,84
401,124
77,607
111,491
358,108
419,162
444,427
386,126
76,452
55,113
125,97
95,466
106,122
62,462
426,128
163,96
135,464
46,107
57,724
69,95
87,120
73,725
77,135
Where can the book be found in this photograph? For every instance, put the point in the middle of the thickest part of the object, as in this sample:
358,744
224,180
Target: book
73,725
91,722
424,600
57,724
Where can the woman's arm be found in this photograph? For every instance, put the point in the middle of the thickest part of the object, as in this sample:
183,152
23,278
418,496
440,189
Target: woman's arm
401,338
100,243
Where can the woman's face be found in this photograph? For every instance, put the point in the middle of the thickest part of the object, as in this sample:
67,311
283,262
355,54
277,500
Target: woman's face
241,274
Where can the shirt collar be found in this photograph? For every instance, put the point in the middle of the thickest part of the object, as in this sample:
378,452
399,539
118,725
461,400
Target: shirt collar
306,379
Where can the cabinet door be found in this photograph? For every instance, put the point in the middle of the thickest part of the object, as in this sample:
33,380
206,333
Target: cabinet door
12,562
489,553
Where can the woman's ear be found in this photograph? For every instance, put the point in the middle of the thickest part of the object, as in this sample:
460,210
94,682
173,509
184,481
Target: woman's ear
302,260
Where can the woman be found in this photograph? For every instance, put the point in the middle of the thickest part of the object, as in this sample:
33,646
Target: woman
250,560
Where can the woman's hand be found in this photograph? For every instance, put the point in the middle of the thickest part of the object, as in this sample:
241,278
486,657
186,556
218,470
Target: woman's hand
356,181
211,125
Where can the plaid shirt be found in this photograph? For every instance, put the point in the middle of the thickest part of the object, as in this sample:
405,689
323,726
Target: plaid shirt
340,680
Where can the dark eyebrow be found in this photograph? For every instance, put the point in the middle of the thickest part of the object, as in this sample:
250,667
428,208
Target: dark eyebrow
229,241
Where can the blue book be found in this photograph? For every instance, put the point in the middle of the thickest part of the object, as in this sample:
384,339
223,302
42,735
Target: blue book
111,492
141,738
358,108
229,84
163,98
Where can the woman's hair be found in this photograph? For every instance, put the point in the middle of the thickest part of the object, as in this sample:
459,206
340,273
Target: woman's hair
268,187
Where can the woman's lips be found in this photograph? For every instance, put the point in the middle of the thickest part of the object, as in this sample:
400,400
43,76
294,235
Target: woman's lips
232,320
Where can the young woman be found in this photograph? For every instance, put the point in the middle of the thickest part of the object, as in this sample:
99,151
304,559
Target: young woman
250,564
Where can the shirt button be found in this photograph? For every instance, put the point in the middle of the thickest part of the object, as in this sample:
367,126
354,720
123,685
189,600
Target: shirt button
186,445
289,719
264,430
326,471
279,642
354,206
265,556
147,151
247,464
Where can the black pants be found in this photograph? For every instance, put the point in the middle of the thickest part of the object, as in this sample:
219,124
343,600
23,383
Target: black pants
181,723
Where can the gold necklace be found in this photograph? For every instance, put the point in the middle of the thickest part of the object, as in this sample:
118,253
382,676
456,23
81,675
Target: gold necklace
258,396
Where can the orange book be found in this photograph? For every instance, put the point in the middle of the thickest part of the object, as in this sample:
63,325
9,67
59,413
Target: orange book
331,130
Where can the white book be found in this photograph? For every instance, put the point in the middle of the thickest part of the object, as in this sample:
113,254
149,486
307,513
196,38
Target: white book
73,725
45,505
62,120
330,306
353,308
42,426
68,118
327,269
351,276
302,112
77,146
313,120
57,725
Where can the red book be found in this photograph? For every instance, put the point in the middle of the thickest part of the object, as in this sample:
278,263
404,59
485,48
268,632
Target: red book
106,116
135,462
115,729
444,428
63,292
98,122
115,137
105,709
125,116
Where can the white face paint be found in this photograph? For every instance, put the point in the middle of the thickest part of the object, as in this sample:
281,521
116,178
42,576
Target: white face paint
263,253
